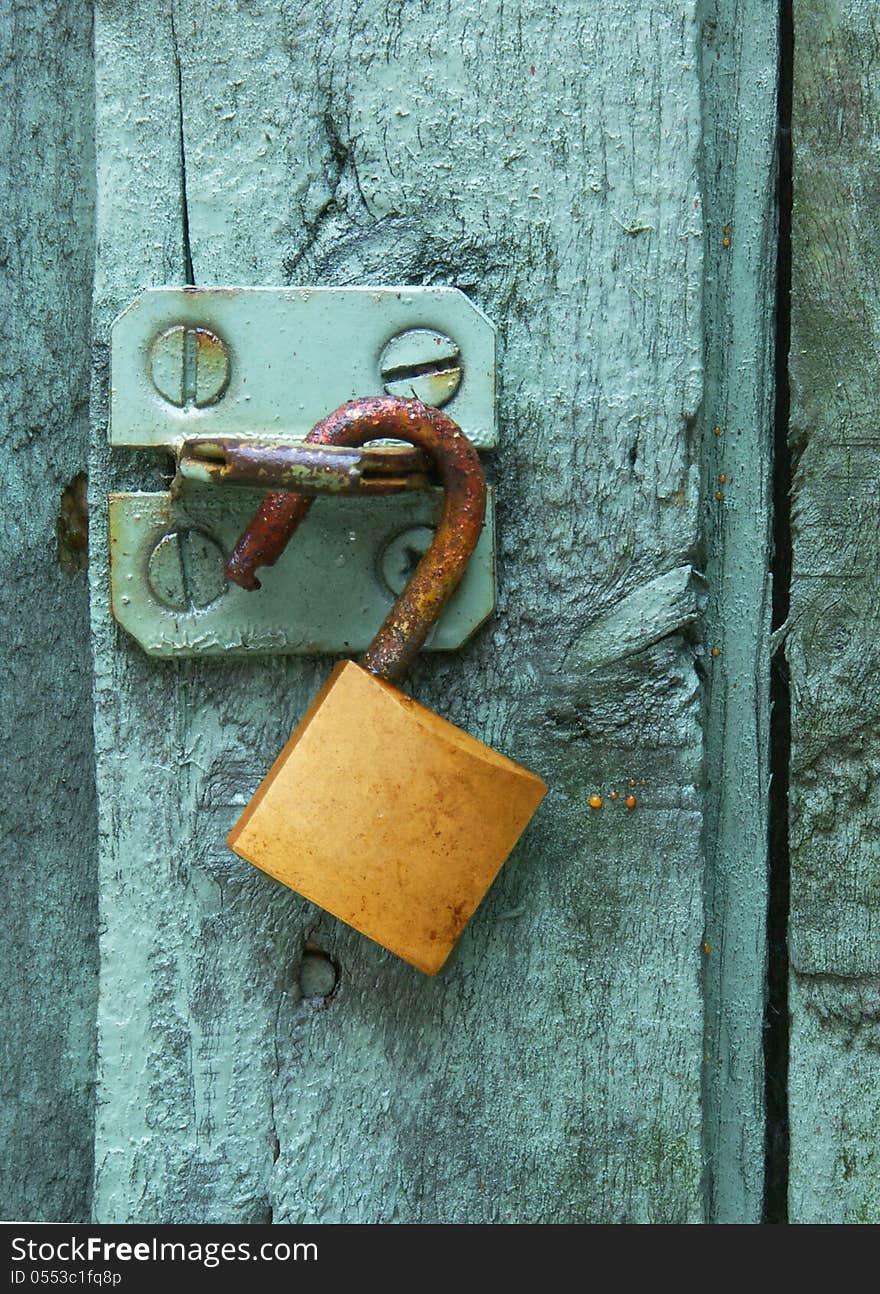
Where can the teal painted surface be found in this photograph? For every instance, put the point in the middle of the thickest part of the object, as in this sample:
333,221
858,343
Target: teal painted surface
48,937
739,62
554,1071
833,626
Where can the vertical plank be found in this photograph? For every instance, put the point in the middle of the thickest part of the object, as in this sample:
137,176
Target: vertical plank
48,959
184,1113
547,164
739,60
835,905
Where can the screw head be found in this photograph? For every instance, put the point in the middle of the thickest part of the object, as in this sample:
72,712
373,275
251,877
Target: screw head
401,556
189,366
421,363
185,570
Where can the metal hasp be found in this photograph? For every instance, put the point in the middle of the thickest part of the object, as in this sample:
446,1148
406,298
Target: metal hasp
231,381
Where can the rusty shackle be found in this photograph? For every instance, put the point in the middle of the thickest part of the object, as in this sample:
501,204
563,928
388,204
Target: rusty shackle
441,568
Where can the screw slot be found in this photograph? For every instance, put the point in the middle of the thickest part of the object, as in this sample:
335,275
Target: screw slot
421,363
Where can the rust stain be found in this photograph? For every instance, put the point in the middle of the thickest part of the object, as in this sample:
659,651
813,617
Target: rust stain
209,344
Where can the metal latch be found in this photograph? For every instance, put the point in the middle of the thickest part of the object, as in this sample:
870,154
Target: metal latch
230,381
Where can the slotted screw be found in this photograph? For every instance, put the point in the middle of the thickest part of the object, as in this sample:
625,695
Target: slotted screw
185,570
189,366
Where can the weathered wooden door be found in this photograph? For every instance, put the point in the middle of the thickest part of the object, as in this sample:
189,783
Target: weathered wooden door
553,165
601,180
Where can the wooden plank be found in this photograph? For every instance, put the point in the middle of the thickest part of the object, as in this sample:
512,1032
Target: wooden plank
48,959
739,61
835,904
184,1106
547,164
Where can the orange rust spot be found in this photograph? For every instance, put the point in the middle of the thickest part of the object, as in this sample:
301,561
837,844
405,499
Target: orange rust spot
208,343
630,801
716,651
614,795
595,802
707,948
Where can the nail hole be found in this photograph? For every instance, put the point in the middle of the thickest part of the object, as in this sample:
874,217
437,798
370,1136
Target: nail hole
72,526
318,975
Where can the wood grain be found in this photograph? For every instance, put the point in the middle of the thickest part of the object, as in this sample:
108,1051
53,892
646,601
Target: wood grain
48,937
831,643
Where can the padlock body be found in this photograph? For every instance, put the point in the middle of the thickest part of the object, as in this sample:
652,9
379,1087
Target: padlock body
388,816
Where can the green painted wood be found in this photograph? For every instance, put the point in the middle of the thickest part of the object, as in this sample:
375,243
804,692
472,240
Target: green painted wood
739,65
831,645
48,939
550,165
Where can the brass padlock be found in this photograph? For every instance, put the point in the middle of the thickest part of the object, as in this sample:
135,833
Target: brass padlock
378,810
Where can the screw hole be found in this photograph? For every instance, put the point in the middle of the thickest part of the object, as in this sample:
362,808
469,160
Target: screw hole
318,976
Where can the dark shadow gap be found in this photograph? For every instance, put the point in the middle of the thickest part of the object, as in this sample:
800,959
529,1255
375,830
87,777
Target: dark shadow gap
188,271
776,1020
